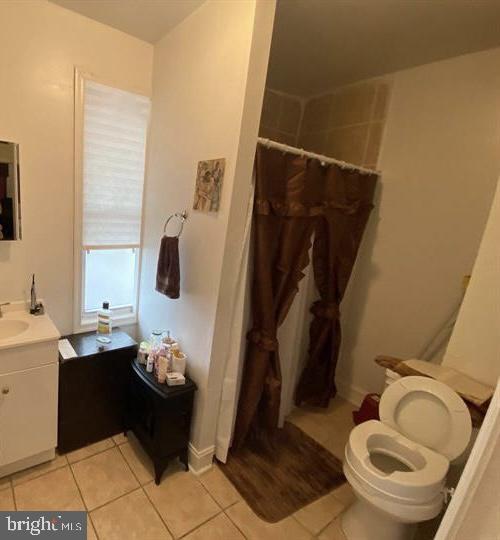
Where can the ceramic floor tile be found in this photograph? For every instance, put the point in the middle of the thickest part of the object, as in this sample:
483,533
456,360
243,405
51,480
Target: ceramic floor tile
340,408
6,500
330,427
55,490
91,535
344,494
313,426
317,515
337,405
336,441
219,487
333,532
182,502
90,450
129,518
5,482
255,528
138,460
38,470
103,477
218,528
120,439
341,419
299,413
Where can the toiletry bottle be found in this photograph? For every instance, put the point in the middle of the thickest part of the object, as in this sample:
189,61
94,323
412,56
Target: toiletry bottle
144,350
151,361
155,343
104,319
178,362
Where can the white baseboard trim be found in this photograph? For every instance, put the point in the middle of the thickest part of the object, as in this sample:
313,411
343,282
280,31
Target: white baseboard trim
200,460
353,394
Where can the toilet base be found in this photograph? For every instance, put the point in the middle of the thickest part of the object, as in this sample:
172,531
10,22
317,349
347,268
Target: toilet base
361,521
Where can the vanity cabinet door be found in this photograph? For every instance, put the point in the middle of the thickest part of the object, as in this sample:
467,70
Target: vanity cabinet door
28,413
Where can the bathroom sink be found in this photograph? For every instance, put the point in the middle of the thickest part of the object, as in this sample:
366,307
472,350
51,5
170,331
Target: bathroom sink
10,328
19,328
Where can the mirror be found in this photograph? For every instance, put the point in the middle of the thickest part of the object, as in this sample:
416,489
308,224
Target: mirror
10,194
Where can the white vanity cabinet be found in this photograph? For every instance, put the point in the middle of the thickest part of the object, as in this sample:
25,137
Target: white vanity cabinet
28,413
29,373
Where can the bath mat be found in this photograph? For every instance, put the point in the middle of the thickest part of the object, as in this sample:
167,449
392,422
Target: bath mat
276,482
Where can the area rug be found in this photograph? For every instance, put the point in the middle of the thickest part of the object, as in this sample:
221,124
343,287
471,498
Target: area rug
277,480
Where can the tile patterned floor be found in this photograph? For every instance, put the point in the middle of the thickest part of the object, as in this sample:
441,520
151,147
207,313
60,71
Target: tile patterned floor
112,480
330,427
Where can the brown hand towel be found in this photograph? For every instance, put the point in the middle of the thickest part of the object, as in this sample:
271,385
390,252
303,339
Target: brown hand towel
168,277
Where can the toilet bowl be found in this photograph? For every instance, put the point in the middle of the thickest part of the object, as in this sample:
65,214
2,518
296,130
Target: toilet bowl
397,466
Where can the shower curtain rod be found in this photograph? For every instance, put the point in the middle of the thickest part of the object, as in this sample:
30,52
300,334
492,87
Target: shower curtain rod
323,159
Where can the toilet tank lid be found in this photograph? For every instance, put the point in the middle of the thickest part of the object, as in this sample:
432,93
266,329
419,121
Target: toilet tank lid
428,412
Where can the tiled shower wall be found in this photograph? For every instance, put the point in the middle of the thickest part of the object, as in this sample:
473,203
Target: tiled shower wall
281,117
346,123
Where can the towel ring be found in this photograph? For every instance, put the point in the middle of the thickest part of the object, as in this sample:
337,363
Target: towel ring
182,217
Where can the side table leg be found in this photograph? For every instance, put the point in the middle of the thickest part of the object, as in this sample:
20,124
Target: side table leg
160,467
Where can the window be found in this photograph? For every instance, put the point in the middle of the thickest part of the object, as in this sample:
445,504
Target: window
111,129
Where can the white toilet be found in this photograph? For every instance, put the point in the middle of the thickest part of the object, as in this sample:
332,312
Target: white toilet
397,467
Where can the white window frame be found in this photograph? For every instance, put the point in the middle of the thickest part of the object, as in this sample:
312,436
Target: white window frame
84,321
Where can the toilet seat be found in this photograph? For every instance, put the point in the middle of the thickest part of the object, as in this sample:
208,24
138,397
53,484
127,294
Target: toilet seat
424,425
397,466
420,484
428,412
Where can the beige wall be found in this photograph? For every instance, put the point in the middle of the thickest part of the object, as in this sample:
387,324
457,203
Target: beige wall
40,44
474,347
281,117
440,161
348,122
224,46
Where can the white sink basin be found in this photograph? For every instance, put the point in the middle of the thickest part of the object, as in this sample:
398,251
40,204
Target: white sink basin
11,327
18,328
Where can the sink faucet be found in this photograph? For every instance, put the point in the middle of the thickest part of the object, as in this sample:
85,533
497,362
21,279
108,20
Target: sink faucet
36,308
4,304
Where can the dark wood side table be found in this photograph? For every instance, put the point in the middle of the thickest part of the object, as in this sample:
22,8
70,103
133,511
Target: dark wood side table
93,389
160,417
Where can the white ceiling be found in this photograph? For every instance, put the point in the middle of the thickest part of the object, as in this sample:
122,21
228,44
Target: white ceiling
148,20
321,44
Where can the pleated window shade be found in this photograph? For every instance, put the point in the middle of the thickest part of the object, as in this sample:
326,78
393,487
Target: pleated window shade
114,140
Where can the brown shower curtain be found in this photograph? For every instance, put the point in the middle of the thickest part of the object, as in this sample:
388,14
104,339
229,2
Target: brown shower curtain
293,197
337,238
